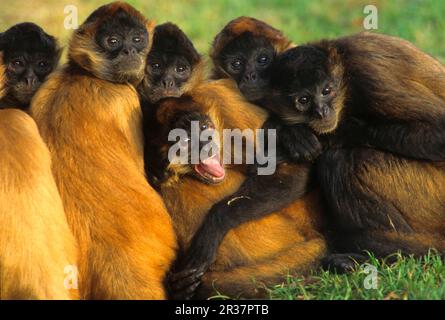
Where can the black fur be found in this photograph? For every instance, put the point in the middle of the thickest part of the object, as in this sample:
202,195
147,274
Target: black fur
391,116
170,64
252,75
29,55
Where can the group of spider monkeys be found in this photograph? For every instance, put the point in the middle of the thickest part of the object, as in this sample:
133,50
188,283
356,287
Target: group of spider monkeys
85,179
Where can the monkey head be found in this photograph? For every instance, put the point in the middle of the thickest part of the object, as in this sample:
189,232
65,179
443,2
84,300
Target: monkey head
29,56
113,43
307,87
178,113
174,67
244,51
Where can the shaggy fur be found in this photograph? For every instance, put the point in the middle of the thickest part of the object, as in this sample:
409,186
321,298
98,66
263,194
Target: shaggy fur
257,252
93,129
35,242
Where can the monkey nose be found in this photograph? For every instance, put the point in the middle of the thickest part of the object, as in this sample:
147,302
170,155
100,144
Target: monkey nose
168,83
251,76
322,112
129,51
30,81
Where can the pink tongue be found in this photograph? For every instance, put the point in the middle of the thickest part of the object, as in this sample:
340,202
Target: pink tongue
213,167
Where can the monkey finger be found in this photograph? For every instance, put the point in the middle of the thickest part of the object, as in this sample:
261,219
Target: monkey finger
186,282
187,293
173,277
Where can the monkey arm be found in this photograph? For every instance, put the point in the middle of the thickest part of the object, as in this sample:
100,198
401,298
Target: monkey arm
257,197
421,140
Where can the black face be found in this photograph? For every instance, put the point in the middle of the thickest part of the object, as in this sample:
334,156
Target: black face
302,90
166,73
247,60
124,42
170,64
209,169
30,55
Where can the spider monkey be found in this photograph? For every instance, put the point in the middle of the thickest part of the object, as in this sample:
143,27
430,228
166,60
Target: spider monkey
36,245
29,55
174,67
190,190
244,51
249,256
244,40
377,104
89,115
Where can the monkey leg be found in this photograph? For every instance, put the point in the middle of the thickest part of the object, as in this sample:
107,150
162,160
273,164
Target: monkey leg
37,251
383,203
251,280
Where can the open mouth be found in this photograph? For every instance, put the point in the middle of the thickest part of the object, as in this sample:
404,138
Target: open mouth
211,170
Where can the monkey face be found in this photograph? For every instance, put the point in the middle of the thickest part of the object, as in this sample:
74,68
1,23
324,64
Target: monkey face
247,60
170,64
303,90
209,169
30,55
25,73
314,106
184,114
166,73
123,42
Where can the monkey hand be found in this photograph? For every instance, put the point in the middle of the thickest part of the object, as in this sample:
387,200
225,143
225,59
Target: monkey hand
182,285
189,270
300,142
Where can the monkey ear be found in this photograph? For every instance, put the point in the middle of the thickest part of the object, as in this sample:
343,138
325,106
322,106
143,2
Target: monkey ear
150,25
334,57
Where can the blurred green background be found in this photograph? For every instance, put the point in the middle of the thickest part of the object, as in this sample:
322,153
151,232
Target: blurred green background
420,21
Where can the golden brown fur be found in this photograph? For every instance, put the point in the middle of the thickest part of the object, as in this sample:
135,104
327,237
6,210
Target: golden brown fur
93,130
35,242
258,252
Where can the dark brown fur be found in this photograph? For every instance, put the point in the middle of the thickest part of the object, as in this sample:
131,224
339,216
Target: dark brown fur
383,167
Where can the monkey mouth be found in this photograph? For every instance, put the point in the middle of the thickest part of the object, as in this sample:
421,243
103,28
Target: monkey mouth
171,94
325,126
210,170
157,95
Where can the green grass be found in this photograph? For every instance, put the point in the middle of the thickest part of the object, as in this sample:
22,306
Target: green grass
420,21
407,278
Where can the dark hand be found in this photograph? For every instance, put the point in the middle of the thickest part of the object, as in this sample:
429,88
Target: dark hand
300,142
201,254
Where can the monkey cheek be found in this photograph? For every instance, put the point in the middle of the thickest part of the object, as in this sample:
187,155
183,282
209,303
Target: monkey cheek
129,70
24,93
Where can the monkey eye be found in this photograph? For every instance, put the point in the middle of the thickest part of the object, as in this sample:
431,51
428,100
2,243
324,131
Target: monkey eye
17,63
113,41
180,69
184,143
137,39
326,91
43,64
156,65
303,100
263,59
236,64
